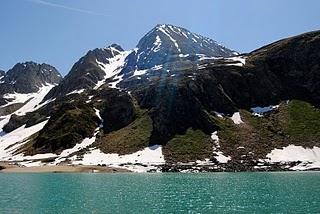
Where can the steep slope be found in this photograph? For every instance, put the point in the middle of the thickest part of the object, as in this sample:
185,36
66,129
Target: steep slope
210,110
25,78
23,88
163,45
166,43
2,74
171,44
295,61
91,71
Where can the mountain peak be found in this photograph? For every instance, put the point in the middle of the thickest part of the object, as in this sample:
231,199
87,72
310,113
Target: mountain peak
115,46
165,41
27,77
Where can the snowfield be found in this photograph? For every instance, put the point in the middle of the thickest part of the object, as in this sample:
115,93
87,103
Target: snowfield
33,99
310,157
15,139
150,157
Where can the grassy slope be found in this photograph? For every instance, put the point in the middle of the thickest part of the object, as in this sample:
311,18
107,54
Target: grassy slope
295,123
193,145
129,139
64,130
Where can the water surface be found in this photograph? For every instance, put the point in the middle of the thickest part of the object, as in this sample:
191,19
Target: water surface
281,192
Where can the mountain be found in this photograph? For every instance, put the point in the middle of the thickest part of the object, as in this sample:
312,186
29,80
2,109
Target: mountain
27,78
175,104
2,73
162,45
23,87
166,43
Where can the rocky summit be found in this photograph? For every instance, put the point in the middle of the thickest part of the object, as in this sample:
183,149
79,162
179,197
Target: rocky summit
178,101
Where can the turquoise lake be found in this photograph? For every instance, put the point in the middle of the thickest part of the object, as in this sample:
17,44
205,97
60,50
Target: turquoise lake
278,192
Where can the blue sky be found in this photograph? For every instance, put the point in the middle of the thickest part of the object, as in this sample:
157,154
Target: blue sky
59,32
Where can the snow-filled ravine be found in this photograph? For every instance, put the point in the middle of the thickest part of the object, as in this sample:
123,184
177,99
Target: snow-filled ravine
113,68
32,100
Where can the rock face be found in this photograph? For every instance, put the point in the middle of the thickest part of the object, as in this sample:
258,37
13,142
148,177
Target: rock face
71,123
28,77
188,94
2,73
88,71
295,63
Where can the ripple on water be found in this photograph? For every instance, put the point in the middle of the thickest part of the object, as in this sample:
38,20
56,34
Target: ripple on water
161,193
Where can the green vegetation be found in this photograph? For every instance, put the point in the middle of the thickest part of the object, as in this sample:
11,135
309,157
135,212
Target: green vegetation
129,139
303,122
193,145
295,123
69,126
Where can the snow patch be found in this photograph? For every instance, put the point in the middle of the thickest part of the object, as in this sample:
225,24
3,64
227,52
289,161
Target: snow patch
157,44
17,138
67,152
32,98
221,158
114,83
236,61
150,156
139,72
295,153
236,118
112,68
76,92
183,55
157,67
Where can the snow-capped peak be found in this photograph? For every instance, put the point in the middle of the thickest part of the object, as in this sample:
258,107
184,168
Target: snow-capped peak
167,41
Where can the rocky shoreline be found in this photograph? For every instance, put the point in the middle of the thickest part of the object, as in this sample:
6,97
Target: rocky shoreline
169,167
236,167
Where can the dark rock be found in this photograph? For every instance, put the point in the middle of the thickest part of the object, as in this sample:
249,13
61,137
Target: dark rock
70,125
117,109
28,77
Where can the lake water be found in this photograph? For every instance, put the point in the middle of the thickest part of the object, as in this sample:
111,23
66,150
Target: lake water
280,192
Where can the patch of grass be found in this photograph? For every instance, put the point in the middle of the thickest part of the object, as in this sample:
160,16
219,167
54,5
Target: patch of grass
129,139
69,126
193,145
295,123
302,122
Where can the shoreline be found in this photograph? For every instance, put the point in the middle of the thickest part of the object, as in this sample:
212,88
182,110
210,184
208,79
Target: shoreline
7,167
10,168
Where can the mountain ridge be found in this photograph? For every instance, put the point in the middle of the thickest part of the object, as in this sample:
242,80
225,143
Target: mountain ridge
136,60
197,112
